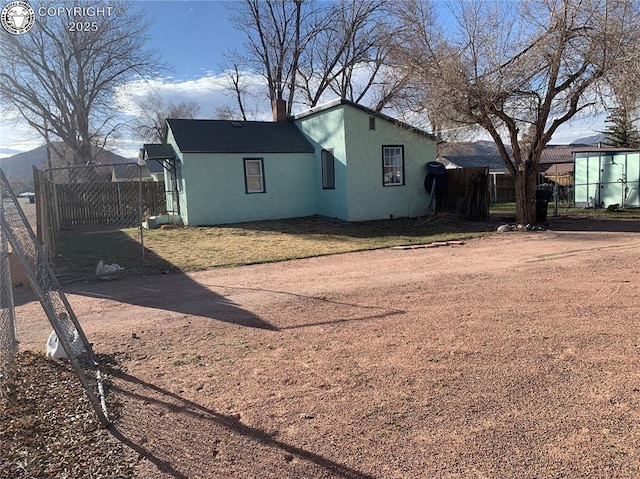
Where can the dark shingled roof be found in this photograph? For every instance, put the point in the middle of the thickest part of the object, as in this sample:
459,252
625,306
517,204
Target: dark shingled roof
158,151
226,136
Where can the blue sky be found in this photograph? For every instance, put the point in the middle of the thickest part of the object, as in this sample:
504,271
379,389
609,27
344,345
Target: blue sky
192,36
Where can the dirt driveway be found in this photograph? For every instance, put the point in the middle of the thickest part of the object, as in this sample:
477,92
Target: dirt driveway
510,356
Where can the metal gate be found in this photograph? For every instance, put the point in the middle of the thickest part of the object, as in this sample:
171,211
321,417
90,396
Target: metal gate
88,214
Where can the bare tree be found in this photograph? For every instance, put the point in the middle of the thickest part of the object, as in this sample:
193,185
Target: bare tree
275,37
348,54
238,85
625,93
60,76
307,49
227,112
149,126
519,70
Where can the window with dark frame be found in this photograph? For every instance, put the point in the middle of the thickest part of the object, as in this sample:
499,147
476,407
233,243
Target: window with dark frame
328,170
393,165
372,122
254,175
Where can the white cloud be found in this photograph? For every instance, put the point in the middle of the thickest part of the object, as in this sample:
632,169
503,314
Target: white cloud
210,92
15,135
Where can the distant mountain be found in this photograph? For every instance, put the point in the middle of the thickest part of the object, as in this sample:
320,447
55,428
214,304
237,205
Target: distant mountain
592,140
9,151
18,168
488,148
469,148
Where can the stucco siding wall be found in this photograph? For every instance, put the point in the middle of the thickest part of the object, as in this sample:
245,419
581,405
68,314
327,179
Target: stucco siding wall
216,191
325,131
367,197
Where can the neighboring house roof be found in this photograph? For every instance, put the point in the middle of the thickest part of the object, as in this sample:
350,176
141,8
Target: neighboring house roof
471,161
558,169
226,136
155,166
341,101
564,153
126,172
152,156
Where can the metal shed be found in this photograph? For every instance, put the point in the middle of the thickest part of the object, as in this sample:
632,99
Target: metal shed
606,178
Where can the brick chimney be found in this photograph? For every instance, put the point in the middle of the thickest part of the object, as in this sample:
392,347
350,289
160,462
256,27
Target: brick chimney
279,110
279,106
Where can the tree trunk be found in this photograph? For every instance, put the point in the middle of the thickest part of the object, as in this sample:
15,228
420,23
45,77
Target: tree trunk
525,189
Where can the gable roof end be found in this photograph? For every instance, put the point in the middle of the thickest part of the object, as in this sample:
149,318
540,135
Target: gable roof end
341,101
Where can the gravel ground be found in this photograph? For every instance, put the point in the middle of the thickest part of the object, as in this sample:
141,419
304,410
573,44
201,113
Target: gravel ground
49,430
510,356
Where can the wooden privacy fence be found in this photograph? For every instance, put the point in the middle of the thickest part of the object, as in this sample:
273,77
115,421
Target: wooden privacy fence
502,188
107,203
467,193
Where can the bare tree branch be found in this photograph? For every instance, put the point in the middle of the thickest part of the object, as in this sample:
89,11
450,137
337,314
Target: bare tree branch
520,70
150,124
62,81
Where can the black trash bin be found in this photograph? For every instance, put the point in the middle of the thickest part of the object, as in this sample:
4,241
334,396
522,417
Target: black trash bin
543,196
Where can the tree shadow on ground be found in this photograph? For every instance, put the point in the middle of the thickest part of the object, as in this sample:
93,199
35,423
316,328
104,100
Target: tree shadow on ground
145,286
328,227
200,424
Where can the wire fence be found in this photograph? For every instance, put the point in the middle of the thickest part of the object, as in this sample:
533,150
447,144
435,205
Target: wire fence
18,233
8,338
82,212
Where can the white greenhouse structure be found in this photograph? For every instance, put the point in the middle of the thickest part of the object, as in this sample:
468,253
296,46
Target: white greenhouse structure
603,179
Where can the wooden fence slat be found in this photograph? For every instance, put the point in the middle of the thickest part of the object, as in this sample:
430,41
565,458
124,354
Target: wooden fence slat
467,193
110,203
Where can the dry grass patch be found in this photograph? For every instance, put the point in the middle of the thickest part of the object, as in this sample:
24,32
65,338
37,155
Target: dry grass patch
189,249
202,248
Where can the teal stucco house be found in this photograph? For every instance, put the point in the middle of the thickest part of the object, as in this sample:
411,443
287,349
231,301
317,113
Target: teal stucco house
339,160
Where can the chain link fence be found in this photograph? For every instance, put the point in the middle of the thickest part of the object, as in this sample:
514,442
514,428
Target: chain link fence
68,333
88,214
8,338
